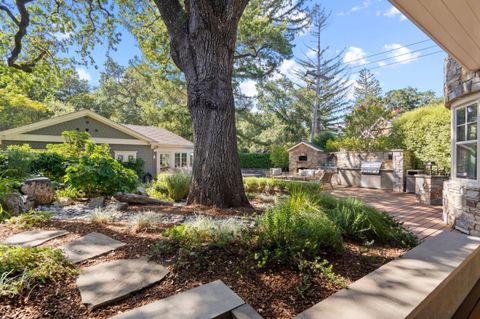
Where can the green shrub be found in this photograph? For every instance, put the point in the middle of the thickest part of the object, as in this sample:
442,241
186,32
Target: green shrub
137,165
279,157
297,228
69,192
175,186
29,220
49,164
16,161
22,268
255,160
279,186
99,173
322,139
206,230
362,223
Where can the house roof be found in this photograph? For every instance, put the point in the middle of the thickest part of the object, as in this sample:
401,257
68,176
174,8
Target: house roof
452,24
160,135
306,144
151,135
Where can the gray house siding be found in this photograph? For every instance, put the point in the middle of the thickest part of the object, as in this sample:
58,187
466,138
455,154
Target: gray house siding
33,145
83,124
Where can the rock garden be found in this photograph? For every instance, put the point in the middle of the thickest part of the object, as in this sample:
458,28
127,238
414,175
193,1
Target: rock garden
83,238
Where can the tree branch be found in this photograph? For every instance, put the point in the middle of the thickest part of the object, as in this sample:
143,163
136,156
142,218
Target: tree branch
22,31
10,14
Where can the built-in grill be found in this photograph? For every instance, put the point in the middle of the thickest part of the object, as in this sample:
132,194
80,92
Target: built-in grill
371,167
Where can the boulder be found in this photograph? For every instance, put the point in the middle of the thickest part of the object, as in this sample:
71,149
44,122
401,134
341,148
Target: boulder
96,202
13,203
64,201
141,191
28,202
40,189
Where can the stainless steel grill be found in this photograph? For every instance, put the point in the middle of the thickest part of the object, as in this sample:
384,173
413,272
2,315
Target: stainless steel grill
371,167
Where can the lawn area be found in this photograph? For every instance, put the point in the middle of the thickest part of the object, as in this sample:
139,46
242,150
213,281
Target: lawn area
295,247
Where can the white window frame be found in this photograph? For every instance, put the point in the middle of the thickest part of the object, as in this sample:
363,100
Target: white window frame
464,104
125,155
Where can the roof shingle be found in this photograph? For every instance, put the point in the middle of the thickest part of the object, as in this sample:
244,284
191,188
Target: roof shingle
160,135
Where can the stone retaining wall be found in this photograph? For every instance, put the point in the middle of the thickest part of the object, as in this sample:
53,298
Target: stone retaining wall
461,206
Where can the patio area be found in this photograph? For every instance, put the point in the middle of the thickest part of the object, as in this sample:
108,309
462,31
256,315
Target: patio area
422,220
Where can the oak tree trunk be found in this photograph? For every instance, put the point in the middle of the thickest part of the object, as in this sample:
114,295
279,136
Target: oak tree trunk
203,39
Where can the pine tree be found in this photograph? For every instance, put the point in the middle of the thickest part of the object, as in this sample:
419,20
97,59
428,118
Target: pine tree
367,87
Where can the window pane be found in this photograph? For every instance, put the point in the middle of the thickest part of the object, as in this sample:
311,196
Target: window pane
472,113
120,158
460,116
184,159
461,133
131,157
472,131
177,159
467,160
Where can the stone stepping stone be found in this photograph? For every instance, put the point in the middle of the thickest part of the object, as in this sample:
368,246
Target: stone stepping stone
33,238
204,302
245,312
107,282
89,246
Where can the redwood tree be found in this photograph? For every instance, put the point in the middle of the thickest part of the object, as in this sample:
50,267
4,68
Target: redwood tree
202,39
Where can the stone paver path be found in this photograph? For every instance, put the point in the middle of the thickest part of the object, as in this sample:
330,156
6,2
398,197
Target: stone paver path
89,246
207,301
422,220
107,282
33,238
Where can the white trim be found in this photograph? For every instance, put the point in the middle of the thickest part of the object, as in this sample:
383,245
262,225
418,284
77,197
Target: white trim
463,101
125,154
171,152
5,135
58,139
306,144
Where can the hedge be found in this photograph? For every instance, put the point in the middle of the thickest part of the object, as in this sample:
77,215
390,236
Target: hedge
255,160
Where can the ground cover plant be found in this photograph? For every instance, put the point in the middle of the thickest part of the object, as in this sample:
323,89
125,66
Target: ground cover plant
21,268
29,219
173,186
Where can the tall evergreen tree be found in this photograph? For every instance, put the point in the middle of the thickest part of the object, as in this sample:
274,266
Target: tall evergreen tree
367,87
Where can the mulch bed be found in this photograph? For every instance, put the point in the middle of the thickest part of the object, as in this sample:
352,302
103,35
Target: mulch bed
272,291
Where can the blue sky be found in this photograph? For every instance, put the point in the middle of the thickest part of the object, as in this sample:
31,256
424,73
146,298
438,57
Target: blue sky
361,28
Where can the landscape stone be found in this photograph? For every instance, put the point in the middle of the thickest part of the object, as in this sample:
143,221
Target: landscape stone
33,238
96,202
64,201
207,301
107,282
117,206
245,312
89,246
13,203
40,189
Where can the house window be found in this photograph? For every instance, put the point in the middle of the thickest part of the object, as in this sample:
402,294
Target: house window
164,160
180,160
125,156
466,125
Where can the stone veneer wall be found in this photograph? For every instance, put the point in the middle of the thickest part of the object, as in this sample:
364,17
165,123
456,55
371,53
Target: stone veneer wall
314,158
461,198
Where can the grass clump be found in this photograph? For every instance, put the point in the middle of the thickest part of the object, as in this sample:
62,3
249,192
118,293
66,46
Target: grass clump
70,192
204,230
143,222
296,229
279,186
24,267
100,216
29,220
175,186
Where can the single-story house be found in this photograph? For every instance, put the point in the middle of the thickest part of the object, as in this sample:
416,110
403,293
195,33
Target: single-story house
305,155
158,147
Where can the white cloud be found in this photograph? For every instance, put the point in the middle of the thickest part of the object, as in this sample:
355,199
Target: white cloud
364,5
249,88
60,36
83,74
393,13
381,63
401,54
355,55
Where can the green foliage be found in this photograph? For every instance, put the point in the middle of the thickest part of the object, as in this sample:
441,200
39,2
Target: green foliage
49,164
322,139
364,224
279,157
15,161
279,186
255,160
175,185
17,110
69,192
99,173
29,220
206,230
22,268
136,165
426,133
408,99
316,268
75,144
297,228
367,87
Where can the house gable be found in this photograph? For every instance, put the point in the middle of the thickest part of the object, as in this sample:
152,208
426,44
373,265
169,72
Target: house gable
305,144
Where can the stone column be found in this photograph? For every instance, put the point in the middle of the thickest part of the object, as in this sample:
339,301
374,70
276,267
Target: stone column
398,163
